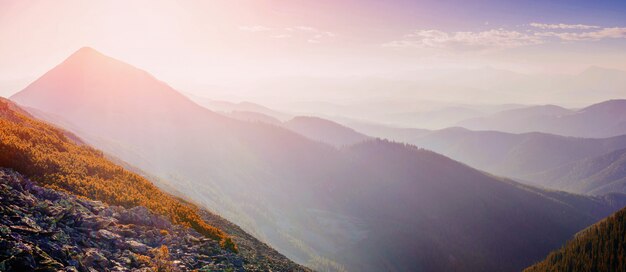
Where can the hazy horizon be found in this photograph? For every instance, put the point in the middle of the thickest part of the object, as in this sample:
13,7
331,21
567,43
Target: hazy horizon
278,53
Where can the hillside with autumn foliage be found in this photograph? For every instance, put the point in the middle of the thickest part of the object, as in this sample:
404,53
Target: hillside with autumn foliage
47,155
59,160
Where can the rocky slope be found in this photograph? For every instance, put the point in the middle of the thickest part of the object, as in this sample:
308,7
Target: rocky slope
45,230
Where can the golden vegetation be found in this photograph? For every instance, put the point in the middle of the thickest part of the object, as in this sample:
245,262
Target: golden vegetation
161,261
46,155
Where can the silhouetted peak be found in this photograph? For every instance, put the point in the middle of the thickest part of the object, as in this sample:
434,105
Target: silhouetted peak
86,53
612,105
87,49
309,119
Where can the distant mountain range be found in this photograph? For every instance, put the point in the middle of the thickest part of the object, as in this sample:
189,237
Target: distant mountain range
605,119
535,158
595,175
400,101
372,206
515,155
325,131
251,116
230,107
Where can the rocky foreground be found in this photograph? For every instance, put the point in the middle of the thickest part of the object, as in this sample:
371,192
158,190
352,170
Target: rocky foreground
45,230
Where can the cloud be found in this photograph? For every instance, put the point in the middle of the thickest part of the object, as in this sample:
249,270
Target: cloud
562,26
605,33
304,33
281,36
503,38
255,28
317,34
483,40
303,28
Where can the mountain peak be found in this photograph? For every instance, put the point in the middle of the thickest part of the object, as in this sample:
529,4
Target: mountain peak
87,50
613,105
89,55
88,78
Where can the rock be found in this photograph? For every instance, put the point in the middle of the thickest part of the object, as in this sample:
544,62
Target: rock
25,229
137,246
93,222
70,269
45,262
94,258
19,262
142,216
104,234
127,232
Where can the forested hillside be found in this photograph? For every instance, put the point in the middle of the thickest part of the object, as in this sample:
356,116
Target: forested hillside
601,247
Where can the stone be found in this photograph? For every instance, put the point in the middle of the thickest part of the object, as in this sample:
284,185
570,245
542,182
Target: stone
137,247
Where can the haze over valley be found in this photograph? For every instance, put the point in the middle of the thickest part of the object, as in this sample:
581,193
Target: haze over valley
312,136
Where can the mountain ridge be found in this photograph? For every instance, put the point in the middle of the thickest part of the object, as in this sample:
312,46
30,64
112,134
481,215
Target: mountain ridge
324,130
595,175
599,120
276,183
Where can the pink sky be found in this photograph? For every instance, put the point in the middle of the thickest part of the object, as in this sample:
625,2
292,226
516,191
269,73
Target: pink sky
194,45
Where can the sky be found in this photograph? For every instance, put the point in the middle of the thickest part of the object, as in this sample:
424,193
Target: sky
247,50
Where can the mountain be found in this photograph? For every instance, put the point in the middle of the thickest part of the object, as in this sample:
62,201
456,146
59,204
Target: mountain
601,120
522,156
601,247
515,155
399,134
434,214
597,175
527,119
372,206
59,161
251,116
214,160
229,107
324,130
